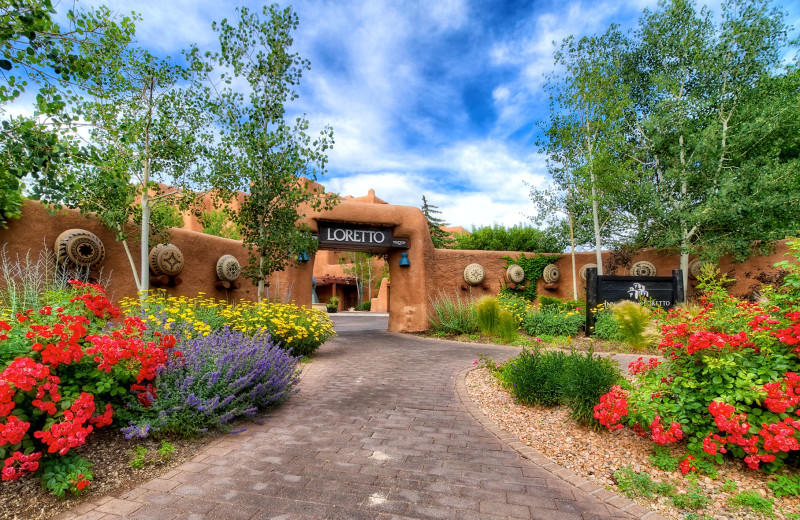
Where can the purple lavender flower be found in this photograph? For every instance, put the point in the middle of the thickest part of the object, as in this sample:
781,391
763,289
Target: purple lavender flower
219,377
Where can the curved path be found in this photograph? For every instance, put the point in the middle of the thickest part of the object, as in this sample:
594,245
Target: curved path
379,430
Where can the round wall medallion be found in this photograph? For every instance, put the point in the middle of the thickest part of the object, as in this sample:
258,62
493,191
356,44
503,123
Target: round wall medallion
228,268
643,268
166,259
80,248
474,274
695,268
583,270
515,273
551,273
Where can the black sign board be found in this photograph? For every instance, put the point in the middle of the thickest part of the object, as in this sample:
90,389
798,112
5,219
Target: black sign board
353,237
663,291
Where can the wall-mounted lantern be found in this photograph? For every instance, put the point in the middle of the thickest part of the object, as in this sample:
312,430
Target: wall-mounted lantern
404,260
303,257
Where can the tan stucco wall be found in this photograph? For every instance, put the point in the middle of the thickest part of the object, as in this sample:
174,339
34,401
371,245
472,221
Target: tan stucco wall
431,272
38,229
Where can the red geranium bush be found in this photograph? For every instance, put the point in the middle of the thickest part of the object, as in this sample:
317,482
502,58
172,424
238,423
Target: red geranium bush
730,382
66,370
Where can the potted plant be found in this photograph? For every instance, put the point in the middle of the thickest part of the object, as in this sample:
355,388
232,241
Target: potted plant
333,304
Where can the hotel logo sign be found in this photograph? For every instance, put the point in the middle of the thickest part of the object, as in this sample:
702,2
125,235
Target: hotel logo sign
661,291
354,237
638,291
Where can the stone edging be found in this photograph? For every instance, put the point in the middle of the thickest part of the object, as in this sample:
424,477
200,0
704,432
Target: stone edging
609,497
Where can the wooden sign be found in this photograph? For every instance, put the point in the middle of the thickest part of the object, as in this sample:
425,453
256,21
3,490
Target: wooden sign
347,236
662,291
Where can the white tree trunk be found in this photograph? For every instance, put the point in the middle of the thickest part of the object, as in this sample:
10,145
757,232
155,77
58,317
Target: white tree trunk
596,221
145,241
572,254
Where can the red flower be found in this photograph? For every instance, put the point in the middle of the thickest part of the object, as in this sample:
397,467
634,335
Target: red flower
16,465
686,465
613,406
660,436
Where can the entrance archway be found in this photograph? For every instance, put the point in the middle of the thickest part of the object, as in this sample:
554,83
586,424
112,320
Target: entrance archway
399,232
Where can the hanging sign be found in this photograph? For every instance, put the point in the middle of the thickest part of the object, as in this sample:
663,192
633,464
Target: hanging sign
353,237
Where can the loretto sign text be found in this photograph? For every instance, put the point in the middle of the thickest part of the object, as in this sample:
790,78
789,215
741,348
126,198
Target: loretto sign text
661,291
352,237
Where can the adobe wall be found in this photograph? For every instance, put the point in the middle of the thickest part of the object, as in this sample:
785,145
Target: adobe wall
432,271
38,229
749,275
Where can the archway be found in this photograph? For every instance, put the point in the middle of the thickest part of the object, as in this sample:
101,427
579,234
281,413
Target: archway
400,233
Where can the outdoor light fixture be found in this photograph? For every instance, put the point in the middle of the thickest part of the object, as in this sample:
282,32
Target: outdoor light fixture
404,260
303,256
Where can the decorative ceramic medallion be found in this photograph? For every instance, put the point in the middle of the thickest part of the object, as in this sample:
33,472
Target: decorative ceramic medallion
474,274
583,270
643,268
551,273
228,268
515,273
80,248
695,268
166,259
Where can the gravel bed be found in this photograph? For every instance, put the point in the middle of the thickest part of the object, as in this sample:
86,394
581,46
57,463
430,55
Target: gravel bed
597,455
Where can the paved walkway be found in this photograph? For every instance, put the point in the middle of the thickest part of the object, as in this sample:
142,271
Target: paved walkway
380,430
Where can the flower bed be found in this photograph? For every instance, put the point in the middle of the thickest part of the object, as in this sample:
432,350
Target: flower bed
78,364
64,374
600,456
298,330
729,385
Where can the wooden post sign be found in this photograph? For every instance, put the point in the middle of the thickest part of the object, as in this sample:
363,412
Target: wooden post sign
664,291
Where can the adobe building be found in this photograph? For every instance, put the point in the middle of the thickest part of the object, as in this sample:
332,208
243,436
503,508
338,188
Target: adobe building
418,273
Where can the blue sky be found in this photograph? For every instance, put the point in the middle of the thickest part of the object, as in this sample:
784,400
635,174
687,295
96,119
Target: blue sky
434,97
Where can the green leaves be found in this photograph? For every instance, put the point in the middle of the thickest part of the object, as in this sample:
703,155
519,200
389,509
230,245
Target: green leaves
265,156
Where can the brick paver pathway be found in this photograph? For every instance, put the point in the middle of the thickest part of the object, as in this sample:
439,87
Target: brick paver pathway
378,431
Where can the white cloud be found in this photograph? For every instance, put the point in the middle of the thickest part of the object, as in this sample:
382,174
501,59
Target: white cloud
489,183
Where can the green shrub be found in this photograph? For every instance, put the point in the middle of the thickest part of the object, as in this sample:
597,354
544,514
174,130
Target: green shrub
548,302
633,321
534,377
538,377
452,315
606,326
365,306
487,311
553,321
586,378
507,327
